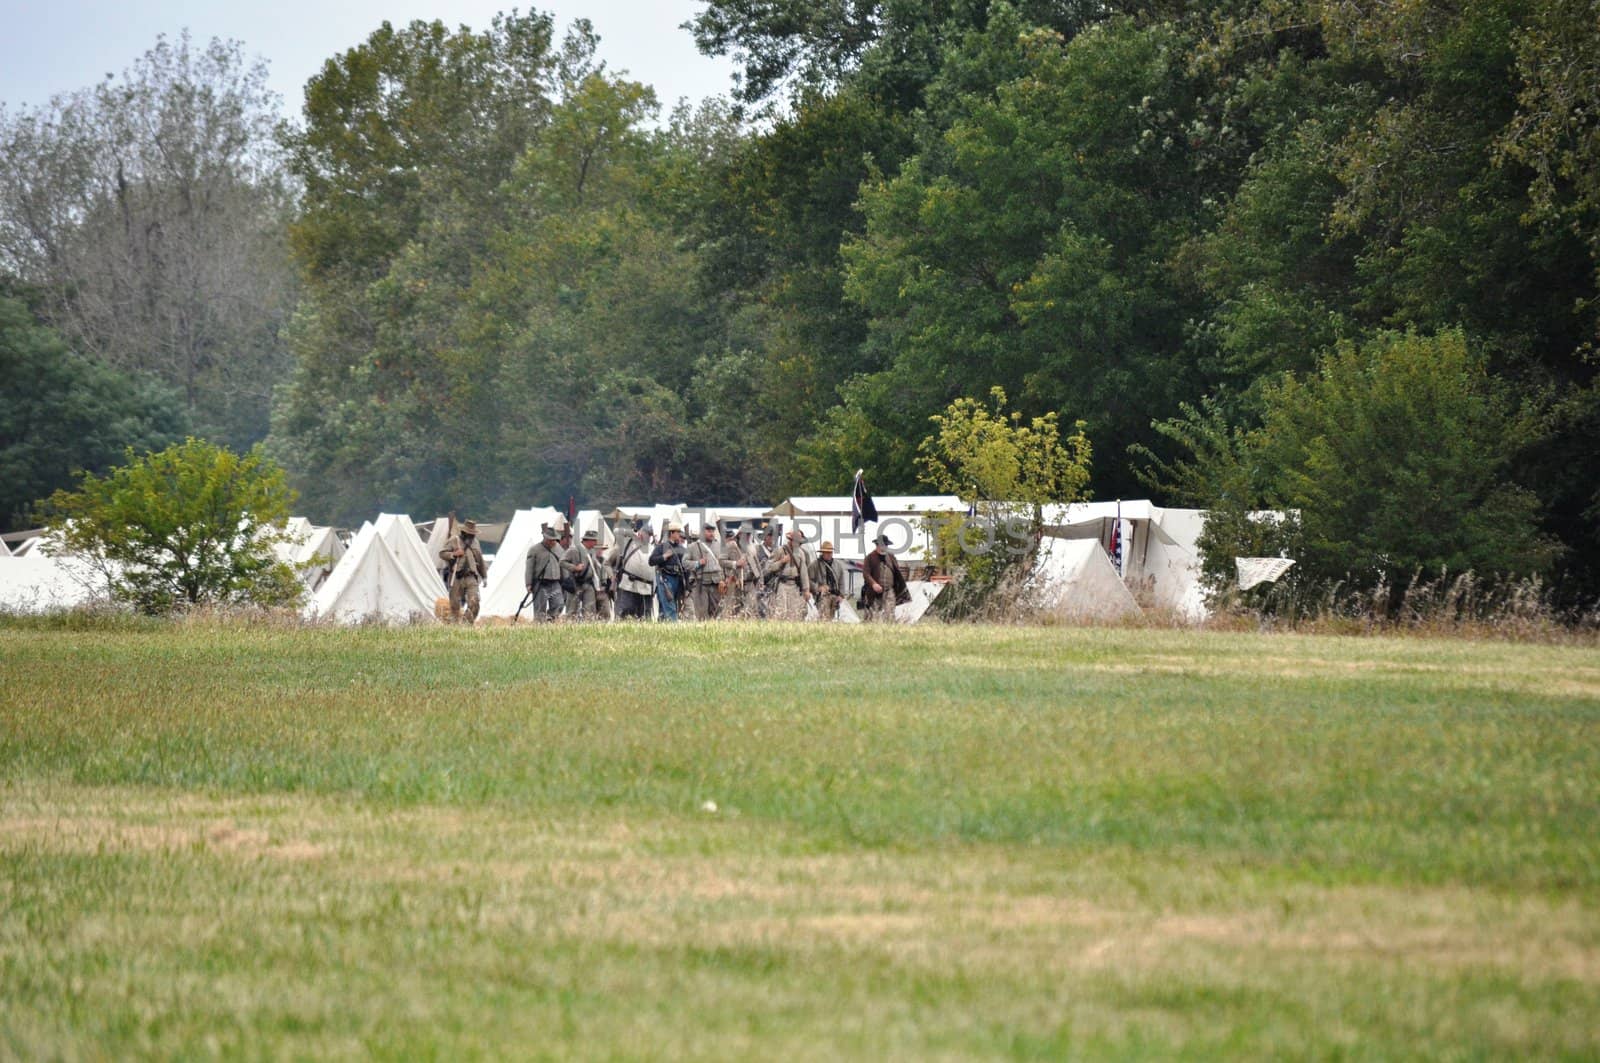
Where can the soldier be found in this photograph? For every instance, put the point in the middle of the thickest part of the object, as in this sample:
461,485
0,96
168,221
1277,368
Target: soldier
789,569
578,565
464,562
738,580
703,564
629,559
827,581
605,579
760,553
882,581
667,560
543,576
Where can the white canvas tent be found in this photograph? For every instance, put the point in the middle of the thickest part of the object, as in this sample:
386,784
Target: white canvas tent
504,589
39,583
371,582
1074,579
1160,551
438,535
397,531
922,594
308,542
658,515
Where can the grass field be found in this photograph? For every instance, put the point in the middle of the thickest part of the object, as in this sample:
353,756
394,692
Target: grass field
935,842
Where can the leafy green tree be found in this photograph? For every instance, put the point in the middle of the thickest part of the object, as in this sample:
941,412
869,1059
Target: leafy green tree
891,48
193,524
1394,457
1554,132
61,412
407,142
1029,243
1013,468
994,453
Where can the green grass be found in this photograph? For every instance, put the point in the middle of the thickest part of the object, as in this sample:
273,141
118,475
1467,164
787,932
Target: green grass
935,842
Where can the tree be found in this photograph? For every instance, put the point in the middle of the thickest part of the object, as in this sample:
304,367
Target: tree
1029,244
1011,468
891,48
149,214
193,524
1393,457
61,412
992,453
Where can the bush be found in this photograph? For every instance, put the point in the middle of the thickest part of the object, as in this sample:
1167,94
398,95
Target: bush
193,524
1389,460
990,454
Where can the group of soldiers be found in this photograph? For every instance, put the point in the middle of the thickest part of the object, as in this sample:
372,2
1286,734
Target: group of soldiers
742,575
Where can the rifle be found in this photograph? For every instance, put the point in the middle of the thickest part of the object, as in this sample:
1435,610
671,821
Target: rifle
527,600
450,569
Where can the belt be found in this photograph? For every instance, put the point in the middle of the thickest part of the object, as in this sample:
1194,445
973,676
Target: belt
787,579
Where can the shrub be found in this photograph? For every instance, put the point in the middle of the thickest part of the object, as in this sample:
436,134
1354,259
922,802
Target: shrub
193,524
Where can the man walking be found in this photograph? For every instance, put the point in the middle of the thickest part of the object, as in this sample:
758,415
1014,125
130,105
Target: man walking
883,582
465,569
760,554
827,581
737,581
790,572
667,560
629,559
543,576
578,564
703,563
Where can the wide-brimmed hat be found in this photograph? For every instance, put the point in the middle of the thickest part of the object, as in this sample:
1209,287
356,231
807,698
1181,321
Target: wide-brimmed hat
825,548
882,540
591,534
549,532
469,527
674,526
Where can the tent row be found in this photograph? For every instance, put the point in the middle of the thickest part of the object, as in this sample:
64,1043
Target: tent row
390,569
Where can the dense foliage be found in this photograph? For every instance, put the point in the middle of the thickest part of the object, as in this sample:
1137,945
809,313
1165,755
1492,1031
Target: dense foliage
62,412
1190,228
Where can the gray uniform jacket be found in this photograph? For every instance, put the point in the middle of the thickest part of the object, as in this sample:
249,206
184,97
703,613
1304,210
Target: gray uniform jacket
544,562
791,565
578,557
732,554
694,553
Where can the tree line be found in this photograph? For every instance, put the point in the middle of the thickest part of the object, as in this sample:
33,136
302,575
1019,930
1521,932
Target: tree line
1333,258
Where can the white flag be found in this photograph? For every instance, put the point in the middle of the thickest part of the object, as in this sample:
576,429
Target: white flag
1254,570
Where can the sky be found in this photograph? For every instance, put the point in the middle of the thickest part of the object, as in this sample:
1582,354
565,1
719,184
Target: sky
51,46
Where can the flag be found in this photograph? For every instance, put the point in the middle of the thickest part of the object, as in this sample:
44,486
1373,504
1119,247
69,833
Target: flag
1116,539
862,509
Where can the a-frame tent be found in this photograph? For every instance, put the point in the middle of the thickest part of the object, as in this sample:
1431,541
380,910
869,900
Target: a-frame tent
400,535
1074,579
371,583
504,589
